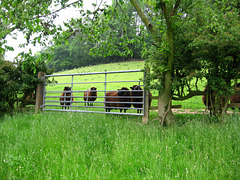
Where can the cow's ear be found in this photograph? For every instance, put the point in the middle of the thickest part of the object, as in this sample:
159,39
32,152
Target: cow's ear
131,88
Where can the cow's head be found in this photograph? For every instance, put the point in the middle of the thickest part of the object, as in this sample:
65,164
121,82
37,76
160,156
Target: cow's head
136,88
67,88
93,88
123,92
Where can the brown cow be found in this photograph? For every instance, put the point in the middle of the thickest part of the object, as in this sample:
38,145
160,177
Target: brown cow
64,99
137,96
236,97
120,99
90,95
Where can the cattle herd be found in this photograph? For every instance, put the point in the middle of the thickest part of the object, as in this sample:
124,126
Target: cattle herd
121,99
124,98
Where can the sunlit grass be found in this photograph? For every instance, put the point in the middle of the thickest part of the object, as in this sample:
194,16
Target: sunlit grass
97,146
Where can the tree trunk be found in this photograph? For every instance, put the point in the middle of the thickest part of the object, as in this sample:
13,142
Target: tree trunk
165,97
164,109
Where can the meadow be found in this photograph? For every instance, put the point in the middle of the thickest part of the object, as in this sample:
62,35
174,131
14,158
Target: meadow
97,146
71,145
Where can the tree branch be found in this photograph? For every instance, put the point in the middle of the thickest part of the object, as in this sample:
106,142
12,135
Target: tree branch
189,95
175,7
144,18
58,10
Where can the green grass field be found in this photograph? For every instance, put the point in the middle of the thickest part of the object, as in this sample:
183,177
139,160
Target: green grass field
97,146
67,145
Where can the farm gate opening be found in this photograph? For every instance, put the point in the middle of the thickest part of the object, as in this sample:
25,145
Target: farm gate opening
55,98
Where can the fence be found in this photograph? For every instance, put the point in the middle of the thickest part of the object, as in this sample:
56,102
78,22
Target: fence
78,85
73,100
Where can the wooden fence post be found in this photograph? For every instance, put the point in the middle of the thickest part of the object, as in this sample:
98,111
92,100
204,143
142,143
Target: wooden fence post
39,93
145,118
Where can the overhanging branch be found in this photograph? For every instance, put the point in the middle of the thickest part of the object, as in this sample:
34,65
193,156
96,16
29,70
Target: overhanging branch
53,12
189,95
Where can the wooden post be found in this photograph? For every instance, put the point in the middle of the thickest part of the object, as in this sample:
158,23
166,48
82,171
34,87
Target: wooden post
39,93
145,118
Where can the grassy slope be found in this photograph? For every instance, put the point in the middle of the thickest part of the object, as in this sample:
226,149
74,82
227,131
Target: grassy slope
93,146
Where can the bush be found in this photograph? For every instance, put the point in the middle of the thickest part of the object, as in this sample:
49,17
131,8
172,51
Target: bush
10,82
19,81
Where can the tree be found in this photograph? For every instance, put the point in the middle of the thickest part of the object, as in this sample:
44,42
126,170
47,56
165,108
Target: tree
109,38
30,17
29,66
61,58
169,11
9,82
217,46
19,81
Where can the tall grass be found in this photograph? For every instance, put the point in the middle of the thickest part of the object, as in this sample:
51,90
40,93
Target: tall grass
97,146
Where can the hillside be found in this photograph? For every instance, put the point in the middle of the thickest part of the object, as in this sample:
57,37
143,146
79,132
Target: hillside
131,65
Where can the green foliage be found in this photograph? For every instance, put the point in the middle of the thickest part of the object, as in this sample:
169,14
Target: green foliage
206,45
108,34
76,54
19,81
9,82
30,17
96,146
29,66
216,46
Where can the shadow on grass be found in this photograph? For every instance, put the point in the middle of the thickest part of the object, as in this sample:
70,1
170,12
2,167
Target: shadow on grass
182,119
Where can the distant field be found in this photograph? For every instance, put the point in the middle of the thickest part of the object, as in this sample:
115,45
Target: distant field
194,103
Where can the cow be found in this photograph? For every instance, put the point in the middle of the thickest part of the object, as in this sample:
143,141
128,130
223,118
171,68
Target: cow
90,95
64,99
137,96
120,99
236,97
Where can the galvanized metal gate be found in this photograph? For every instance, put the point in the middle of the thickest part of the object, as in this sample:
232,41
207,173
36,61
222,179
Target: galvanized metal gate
55,98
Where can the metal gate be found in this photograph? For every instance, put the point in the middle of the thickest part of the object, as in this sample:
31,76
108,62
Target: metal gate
57,97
